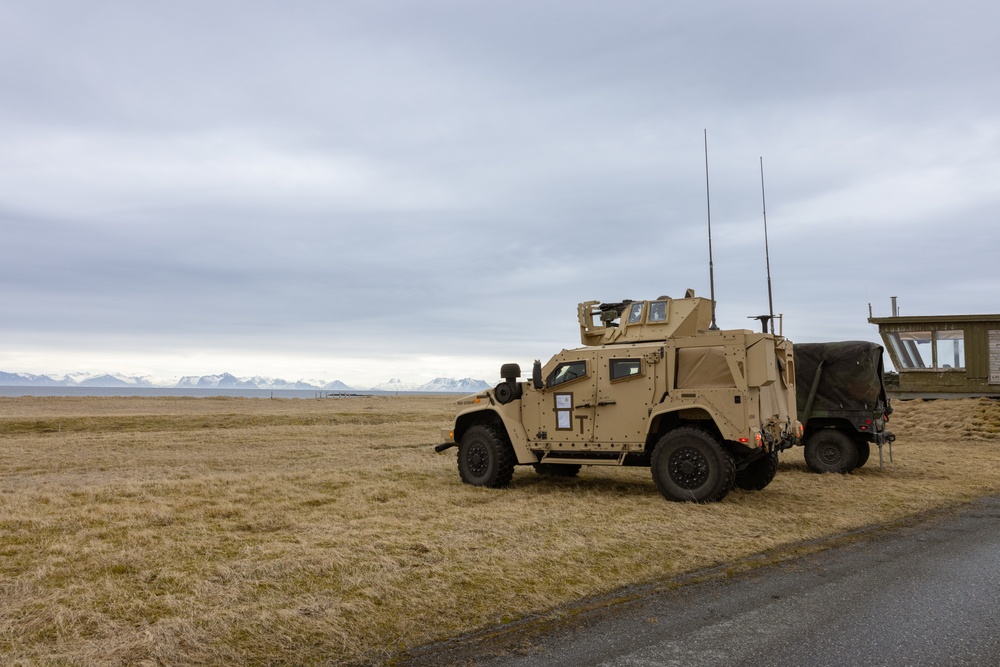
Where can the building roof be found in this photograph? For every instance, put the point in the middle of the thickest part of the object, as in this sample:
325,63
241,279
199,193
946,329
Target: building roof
930,319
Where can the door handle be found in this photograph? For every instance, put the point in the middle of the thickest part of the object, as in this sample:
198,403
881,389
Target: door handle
605,403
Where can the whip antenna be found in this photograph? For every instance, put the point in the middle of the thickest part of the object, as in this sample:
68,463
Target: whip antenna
711,268
767,254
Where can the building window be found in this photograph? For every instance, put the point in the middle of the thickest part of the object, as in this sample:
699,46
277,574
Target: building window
949,348
942,350
913,348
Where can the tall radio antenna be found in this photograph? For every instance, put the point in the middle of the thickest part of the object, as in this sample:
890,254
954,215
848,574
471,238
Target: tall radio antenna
767,253
711,268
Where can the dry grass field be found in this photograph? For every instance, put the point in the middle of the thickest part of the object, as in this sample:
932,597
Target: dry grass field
204,531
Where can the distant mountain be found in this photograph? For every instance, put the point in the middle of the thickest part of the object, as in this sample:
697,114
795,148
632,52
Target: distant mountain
27,380
453,386
395,384
229,381
112,381
336,385
224,381
444,385
73,380
278,383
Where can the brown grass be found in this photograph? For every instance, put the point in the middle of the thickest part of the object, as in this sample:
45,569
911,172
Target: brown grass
176,531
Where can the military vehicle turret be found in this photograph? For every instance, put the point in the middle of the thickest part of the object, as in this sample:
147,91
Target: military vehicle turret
653,385
842,403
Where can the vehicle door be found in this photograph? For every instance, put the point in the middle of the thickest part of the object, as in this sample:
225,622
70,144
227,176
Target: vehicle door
563,410
625,394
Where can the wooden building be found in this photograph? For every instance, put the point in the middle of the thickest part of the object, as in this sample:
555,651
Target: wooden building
942,356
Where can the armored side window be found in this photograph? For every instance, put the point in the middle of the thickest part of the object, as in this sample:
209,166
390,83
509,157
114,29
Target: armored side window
566,371
623,368
635,313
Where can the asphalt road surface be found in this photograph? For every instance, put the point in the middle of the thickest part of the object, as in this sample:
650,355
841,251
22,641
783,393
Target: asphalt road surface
923,593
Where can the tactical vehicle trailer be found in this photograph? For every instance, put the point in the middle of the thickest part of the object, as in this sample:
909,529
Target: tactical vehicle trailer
842,403
654,385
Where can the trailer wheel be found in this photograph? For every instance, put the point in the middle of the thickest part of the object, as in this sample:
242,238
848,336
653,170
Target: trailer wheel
758,474
485,458
864,451
690,465
830,450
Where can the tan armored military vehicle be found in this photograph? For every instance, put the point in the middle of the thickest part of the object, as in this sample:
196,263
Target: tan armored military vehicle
653,386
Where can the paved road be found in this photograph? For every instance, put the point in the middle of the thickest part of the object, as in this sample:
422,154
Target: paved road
920,595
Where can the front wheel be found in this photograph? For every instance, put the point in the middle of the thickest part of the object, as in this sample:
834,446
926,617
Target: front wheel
689,464
485,458
830,450
758,474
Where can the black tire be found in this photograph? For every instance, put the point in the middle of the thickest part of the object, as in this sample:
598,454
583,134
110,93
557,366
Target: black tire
864,451
485,457
758,474
690,465
558,469
830,450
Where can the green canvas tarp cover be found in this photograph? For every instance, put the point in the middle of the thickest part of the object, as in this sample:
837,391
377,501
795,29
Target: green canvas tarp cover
851,375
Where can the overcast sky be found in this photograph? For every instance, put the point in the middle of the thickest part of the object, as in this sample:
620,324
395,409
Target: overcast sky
414,189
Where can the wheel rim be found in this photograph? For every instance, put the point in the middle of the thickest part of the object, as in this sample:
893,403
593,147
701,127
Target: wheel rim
829,455
688,468
479,459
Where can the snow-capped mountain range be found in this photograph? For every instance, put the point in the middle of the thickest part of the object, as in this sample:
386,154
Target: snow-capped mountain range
228,381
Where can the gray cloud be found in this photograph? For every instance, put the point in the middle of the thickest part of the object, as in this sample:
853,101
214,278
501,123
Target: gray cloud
429,188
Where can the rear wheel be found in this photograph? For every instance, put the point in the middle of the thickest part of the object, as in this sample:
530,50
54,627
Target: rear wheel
689,464
830,450
485,458
758,474
864,451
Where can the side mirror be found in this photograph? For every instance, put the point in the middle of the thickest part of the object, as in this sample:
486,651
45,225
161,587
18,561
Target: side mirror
536,374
